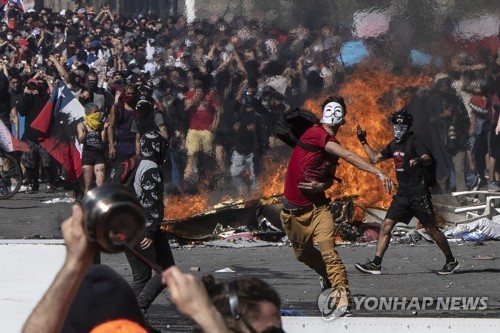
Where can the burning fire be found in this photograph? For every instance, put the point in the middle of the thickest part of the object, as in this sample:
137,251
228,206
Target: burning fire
371,96
179,207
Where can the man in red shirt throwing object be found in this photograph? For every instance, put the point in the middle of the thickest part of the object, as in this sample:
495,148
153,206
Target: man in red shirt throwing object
306,210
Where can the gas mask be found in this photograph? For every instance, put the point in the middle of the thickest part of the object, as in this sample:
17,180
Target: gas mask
333,114
401,132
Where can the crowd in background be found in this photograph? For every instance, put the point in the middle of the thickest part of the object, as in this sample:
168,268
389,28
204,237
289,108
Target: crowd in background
215,89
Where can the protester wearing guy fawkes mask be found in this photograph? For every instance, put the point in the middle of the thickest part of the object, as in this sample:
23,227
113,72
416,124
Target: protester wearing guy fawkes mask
413,198
306,209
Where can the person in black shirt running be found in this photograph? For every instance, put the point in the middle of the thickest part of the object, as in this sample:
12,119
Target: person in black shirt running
413,198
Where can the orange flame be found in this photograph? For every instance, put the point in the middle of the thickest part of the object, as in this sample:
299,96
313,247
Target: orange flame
179,207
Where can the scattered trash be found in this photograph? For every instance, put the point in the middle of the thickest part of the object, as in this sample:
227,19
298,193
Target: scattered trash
240,243
59,200
194,269
410,237
225,270
483,257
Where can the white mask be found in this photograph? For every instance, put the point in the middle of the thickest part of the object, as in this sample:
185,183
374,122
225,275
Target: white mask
333,114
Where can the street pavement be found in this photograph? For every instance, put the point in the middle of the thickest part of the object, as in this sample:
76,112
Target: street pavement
408,270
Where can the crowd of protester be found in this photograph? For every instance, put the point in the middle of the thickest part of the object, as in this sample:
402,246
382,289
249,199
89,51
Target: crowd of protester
215,88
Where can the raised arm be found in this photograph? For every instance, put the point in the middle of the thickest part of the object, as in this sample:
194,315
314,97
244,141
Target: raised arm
374,156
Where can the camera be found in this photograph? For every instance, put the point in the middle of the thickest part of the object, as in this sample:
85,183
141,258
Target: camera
113,216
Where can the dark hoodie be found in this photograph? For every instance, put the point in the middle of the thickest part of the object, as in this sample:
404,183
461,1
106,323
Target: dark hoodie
102,296
148,183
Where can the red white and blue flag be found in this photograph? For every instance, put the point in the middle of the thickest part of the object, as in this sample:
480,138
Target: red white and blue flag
57,121
19,4
8,142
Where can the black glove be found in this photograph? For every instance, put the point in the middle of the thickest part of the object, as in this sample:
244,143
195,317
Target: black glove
418,161
361,135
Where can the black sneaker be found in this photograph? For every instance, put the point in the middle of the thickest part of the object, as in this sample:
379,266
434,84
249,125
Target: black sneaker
369,268
31,190
449,268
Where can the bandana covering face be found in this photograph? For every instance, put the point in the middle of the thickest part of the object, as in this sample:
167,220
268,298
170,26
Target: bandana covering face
401,132
93,121
333,114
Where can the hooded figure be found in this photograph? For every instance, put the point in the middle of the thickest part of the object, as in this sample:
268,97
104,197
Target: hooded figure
148,186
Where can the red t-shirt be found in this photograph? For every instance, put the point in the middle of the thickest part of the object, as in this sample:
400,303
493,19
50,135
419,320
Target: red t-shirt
202,117
304,165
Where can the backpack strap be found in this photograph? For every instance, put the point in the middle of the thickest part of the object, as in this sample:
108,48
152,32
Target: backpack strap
313,149
308,147
131,178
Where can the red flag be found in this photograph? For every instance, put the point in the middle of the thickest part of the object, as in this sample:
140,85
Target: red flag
57,121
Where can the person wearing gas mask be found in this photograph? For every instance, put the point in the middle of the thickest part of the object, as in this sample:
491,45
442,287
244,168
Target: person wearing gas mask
148,186
413,198
306,210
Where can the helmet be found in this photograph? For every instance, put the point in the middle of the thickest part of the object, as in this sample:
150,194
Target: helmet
402,117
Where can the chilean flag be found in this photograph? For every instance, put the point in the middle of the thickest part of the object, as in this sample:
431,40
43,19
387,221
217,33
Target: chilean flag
8,142
19,4
57,121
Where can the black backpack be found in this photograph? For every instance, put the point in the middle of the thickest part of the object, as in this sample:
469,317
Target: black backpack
292,124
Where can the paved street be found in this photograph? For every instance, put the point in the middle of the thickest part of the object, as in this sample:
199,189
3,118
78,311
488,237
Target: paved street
408,271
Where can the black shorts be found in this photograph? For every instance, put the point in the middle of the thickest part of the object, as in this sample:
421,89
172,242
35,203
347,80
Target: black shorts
93,157
404,207
494,145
